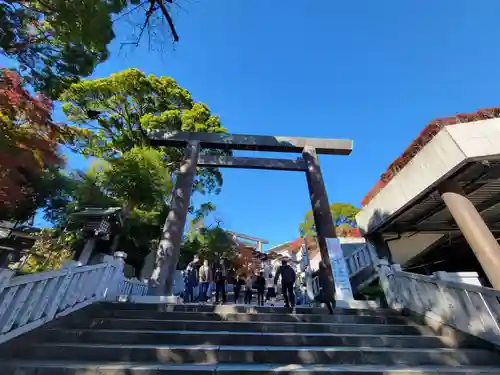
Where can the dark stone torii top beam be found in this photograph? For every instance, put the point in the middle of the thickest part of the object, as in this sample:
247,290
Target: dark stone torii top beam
251,142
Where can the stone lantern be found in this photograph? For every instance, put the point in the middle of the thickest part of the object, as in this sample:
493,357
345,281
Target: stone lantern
95,224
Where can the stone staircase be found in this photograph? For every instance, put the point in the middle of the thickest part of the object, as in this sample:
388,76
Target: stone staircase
141,339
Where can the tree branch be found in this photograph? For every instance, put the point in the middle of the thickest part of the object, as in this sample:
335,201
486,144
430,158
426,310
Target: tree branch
169,19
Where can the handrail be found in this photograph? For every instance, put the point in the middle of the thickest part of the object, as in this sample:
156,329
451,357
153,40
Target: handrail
132,287
29,301
468,308
356,262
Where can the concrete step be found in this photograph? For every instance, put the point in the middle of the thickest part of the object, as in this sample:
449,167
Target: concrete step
127,368
249,317
213,354
240,309
297,327
132,337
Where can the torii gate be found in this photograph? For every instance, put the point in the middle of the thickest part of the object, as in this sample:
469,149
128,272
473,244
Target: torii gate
259,241
168,251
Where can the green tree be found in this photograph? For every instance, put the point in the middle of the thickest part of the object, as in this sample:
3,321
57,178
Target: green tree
117,111
56,42
208,243
138,182
343,214
121,108
50,251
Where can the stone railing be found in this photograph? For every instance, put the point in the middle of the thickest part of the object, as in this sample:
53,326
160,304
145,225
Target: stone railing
132,287
27,302
469,308
358,261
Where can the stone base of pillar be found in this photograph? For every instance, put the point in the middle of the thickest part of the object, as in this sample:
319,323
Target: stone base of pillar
353,304
173,300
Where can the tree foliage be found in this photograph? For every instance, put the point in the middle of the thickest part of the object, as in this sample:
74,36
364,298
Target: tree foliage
120,109
56,42
208,243
50,251
245,262
29,157
138,182
343,214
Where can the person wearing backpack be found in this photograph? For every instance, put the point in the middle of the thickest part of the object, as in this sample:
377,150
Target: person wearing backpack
288,278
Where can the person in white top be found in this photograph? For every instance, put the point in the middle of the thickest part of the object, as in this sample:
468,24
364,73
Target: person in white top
248,289
205,278
271,291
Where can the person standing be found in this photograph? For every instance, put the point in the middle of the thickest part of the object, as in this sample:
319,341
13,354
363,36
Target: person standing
190,280
220,276
238,284
327,290
288,278
271,290
205,279
260,286
248,289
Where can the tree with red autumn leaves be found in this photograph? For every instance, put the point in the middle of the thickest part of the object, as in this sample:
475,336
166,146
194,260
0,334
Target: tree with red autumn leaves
29,141
245,263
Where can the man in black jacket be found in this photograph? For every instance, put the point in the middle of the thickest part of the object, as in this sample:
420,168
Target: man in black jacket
288,277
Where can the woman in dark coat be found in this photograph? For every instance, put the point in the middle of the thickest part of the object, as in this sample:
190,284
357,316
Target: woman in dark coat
327,290
260,285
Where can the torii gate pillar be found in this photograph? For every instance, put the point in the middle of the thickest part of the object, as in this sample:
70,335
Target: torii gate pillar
325,227
167,255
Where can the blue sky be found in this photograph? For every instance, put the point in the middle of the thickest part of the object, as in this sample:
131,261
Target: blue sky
374,72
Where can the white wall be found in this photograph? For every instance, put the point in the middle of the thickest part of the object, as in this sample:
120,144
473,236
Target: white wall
446,152
410,245
453,145
348,244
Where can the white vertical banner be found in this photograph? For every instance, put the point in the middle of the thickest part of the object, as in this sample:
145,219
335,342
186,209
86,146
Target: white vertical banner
343,287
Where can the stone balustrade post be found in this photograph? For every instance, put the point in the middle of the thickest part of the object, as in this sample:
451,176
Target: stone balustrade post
386,279
116,278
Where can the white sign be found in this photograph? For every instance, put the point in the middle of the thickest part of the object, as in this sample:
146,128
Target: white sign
340,272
